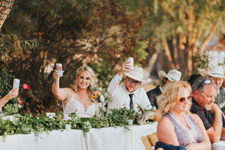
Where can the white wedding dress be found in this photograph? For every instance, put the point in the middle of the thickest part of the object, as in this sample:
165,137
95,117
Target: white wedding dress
75,106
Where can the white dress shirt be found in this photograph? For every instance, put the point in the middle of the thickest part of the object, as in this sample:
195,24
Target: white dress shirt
121,98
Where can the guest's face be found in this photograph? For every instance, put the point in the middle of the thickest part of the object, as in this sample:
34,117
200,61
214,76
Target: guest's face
183,103
206,97
130,84
218,81
83,80
223,85
165,81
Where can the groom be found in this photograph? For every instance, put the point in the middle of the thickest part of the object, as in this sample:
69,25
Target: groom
129,93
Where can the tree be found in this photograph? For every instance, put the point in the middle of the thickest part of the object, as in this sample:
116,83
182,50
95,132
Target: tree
5,8
71,32
180,25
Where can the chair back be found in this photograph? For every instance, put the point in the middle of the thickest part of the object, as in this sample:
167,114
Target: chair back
146,143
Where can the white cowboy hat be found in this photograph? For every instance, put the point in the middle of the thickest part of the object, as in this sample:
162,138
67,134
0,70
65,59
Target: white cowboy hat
137,73
173,75
216,71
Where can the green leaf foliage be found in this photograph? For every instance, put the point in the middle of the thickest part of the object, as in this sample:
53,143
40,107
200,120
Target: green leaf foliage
74,33
26,124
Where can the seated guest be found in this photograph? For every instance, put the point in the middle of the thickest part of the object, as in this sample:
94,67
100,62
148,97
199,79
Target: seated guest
173,75
203,93
128,93
77,99
11,94
178,126
217,75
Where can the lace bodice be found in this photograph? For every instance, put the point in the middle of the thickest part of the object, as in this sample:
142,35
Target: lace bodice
75,106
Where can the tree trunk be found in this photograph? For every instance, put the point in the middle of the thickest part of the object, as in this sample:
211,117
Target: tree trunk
190,60
168,54
208,38
5,8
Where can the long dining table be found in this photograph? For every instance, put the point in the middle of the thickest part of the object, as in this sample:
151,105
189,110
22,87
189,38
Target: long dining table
96,139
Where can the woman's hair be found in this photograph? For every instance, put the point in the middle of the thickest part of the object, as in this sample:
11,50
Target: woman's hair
90,73
172,92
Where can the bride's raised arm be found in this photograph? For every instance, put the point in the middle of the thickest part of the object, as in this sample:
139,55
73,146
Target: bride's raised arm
59,93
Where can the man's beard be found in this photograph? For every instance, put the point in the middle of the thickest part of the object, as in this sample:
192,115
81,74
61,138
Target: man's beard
207,107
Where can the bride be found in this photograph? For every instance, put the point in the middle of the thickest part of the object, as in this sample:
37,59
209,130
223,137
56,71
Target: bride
77,99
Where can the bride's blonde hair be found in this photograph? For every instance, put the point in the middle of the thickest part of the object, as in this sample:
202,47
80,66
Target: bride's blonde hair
90,73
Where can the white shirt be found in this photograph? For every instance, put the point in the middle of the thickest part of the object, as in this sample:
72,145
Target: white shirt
160,87
121,98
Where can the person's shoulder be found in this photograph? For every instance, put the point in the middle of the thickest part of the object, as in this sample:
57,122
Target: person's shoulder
195,117
67,90
164,121
195,107
155,91
140,90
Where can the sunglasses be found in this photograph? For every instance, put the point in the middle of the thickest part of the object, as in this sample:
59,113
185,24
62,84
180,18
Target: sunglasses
182,99
135,82
206,81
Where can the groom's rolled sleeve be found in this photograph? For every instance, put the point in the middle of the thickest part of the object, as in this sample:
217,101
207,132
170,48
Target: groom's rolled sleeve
144,100
114,83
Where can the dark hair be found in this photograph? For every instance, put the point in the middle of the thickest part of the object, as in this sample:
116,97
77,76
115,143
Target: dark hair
196,84
193,77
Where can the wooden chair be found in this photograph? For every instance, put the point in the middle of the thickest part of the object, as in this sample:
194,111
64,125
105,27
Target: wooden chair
150,141
146,143
152,138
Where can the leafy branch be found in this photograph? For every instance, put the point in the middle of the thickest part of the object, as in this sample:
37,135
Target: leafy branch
26,124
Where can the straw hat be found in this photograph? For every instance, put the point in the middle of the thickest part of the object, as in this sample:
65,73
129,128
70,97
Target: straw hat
173,75
137,73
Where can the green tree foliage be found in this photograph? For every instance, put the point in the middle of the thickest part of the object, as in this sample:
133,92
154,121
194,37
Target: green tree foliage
72,32
179,24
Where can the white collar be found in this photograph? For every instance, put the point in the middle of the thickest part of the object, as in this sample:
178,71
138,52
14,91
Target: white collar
160,87
218,92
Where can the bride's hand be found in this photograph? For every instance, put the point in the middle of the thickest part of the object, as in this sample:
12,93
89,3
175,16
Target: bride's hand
56,76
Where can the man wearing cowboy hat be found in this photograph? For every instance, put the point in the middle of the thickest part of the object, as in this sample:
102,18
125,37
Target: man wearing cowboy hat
217,75
128,93
173,75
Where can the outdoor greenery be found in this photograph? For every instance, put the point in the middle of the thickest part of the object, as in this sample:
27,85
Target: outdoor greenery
102,34
6,84
25,124
177,26
72,32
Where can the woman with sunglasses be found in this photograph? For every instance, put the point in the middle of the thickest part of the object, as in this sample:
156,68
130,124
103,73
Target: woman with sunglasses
178,127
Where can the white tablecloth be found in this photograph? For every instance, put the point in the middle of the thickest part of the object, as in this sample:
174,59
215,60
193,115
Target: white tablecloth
119,138
55,140
219,146
96,139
